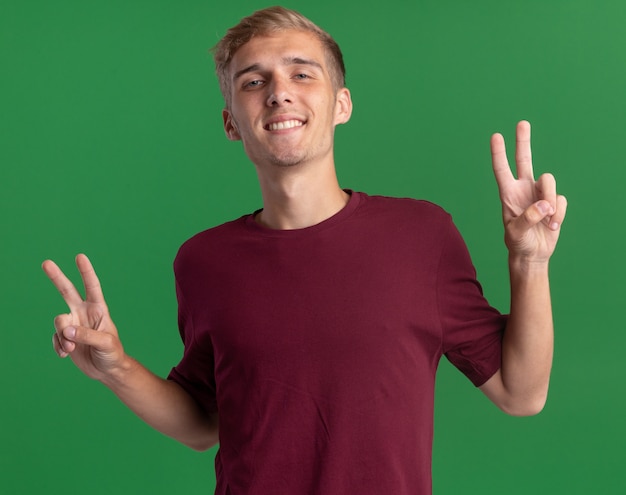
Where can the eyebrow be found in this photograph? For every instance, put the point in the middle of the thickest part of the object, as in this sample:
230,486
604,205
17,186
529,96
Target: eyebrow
285,60
250,68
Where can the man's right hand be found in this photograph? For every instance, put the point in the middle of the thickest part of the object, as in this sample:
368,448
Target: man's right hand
87,333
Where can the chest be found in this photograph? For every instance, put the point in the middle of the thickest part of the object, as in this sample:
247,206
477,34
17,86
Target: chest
300,309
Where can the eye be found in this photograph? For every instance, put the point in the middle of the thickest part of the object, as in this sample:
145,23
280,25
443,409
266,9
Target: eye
302,76
253,84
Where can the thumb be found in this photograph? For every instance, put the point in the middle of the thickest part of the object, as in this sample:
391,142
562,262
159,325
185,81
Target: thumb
534,214
102,341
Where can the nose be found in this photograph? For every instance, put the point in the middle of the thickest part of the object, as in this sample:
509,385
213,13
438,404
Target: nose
279,93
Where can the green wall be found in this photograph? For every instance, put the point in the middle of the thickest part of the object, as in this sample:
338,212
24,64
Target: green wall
111,144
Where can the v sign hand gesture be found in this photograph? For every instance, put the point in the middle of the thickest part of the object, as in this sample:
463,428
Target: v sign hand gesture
532,210
87,333
533,213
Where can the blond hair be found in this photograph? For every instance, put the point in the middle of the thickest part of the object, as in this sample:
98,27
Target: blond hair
267,21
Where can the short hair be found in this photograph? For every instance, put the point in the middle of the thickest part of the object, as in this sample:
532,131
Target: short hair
267,21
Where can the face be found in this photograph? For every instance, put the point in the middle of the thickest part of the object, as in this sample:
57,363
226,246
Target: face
283,104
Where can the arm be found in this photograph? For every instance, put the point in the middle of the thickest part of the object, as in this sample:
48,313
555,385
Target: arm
88,335
532,213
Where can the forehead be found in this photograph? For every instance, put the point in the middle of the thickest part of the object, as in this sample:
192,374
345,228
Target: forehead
278,48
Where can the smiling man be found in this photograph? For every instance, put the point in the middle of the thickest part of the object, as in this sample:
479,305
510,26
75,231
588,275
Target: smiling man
283,104
313,327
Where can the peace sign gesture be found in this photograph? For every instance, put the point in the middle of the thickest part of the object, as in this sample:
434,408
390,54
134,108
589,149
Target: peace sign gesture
532,211
87,333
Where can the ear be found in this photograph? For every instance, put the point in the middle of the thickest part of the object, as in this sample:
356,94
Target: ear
229,126
343,108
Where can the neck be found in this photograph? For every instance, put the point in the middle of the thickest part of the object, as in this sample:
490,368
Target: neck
296,198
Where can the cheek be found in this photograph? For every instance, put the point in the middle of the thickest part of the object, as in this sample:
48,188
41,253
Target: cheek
240,122
323,106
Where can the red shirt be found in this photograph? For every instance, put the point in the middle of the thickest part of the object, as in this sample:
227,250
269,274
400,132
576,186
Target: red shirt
318,347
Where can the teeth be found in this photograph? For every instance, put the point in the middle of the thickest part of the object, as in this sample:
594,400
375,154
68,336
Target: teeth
288,124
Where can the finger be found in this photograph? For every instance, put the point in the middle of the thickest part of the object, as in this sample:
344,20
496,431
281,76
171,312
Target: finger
69,293
93,290
534,214
561,209
56,344
546,190
76,334
523,155
499,161
61,322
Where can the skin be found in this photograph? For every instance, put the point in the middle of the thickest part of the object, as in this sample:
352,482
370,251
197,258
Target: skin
532,213
284,78
88,335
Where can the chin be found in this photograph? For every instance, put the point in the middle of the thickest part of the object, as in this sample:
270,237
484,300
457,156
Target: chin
287,159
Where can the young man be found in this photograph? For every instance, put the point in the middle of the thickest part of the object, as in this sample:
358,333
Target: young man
313,327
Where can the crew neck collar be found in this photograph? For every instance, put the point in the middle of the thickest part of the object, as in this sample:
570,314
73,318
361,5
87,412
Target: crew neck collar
346,211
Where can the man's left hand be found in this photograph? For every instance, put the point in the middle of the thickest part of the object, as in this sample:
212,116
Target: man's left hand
532,210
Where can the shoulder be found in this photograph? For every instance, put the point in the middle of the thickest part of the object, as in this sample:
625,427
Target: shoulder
399,209
209,243
213,234
400,224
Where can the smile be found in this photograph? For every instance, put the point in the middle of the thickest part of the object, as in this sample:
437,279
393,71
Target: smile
287,124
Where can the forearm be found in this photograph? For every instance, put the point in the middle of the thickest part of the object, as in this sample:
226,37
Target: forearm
163,404
528,341
532,213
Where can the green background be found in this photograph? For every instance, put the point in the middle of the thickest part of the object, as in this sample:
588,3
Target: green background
111,144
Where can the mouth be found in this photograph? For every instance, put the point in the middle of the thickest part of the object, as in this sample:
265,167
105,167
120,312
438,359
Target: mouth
286,124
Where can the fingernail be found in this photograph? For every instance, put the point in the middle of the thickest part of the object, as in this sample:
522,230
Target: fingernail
70,332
